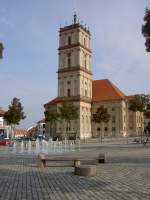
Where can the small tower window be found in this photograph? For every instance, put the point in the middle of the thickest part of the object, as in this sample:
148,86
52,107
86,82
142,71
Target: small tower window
84,42
68,93
86,93
69,40
69,59
85,60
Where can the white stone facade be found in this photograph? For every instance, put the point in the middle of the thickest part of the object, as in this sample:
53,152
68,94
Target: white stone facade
4,128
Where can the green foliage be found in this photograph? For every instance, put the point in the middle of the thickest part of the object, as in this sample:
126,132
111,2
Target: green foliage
15,112
51,115
68,112
140,103
146,29
1,50
101,115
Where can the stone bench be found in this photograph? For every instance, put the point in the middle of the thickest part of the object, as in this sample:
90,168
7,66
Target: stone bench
85,170
76,160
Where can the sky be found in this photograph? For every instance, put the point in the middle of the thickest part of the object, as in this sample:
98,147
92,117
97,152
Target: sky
29,32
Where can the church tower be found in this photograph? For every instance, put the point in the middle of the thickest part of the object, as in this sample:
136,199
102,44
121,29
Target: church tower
75,76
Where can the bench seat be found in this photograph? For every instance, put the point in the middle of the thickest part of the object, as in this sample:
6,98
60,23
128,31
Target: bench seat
76,160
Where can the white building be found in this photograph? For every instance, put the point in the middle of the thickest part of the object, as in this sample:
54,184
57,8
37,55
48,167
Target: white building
41,127
5,130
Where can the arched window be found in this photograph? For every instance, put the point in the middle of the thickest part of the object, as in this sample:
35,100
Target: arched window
85,93
85,60
84,41
69,59
106,129
82,119
86,119
69,40
68,93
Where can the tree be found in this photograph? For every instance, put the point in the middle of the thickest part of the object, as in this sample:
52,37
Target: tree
146,29
140,102
15,113
68,112
101,116
51,116
1,50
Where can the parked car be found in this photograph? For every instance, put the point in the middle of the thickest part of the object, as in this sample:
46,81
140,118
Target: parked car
5,142
18,139
32,139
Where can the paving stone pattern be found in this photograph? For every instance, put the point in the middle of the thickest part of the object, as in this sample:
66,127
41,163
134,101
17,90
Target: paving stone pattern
125,176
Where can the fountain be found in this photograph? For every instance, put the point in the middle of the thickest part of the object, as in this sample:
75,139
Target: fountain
46,147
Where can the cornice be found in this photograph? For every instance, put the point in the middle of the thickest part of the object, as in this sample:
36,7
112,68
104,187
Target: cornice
74,26
71,69
74,45
75,98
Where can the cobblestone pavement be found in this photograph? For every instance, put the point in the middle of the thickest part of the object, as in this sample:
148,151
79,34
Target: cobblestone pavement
125,176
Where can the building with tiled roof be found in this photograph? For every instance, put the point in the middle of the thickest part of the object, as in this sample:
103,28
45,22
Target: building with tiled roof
41,127
75,85
20,132
2,112
105,90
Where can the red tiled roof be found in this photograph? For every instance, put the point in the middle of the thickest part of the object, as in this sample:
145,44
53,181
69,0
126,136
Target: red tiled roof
105,90
41,121
130,97
32,130
52,102
20,131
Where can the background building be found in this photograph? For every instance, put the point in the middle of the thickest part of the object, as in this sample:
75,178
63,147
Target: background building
5,130
19,132
41,127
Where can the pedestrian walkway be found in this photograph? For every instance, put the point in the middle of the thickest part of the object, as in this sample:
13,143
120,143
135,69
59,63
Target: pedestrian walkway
126,175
